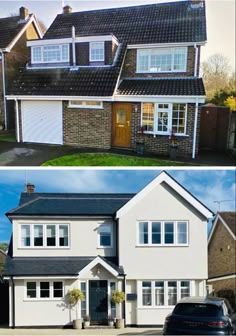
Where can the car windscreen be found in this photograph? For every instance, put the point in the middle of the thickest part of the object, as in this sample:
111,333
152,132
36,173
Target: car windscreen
197,309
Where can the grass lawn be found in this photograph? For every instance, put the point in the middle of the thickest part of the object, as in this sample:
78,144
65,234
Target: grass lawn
7,137
103,159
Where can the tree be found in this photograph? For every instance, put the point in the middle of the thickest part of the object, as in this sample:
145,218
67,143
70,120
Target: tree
216,74
4,246
220,97
230,102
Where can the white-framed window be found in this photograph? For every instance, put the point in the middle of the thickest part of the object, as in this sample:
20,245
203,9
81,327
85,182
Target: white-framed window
83,305
163,118
96,51
162,293
162,233
50,54
162,60
44,235
88,104
44,290
105,235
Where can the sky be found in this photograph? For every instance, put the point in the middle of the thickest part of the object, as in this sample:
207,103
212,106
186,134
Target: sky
206,185
220,18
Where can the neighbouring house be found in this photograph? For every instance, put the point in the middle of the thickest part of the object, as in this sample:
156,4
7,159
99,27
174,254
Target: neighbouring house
222,256
14,32
2,260
152,245
115,77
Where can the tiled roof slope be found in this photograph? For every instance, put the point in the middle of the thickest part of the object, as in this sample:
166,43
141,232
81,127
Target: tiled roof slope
85,81
160,87
63,204
51,266
156,23
9,28
230,219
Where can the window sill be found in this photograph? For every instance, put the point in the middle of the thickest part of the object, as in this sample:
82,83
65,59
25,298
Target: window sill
86,107
156,307
43,248
162,245
43,300
164,134
161,72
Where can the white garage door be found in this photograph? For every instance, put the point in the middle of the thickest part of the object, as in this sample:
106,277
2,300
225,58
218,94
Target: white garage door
42,121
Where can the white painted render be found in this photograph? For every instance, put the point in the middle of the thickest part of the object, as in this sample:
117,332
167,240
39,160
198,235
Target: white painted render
163,262
83,239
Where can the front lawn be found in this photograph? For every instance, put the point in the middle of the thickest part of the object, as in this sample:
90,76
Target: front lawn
7,137
102,159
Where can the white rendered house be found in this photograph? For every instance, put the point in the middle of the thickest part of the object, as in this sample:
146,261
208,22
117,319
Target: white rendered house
152,245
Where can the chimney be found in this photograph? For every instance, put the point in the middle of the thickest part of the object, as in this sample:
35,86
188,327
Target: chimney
197,3
29,188
67,9
24,12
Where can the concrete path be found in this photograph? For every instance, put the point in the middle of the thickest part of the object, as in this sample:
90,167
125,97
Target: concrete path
71,332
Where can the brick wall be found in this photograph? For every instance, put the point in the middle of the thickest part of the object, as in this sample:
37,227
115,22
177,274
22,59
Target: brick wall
221,252
225,288
129,69
160,143
87,127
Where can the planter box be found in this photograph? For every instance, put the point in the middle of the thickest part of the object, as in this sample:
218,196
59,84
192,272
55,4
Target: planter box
173,151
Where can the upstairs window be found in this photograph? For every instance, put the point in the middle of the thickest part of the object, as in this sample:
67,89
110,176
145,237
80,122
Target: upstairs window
25,235
50,53
162,60
96,51
105,238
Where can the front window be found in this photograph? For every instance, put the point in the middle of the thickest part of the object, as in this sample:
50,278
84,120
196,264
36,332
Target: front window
83,306
184,289
85,104
146,293
44,290
50,53
105,235
31,290
162,118
96,51
162,60
57,289
159,293
172,293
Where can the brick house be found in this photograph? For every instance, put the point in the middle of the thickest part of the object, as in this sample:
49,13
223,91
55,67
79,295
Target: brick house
222,256
14,32
115,77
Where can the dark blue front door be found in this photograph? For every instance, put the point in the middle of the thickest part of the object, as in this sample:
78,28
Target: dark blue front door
98,301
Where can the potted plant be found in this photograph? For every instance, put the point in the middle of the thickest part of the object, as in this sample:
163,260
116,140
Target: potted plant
173,145
110,320
74,296
140,144
86,321
118,297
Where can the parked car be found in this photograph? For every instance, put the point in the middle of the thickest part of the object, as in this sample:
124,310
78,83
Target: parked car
201,316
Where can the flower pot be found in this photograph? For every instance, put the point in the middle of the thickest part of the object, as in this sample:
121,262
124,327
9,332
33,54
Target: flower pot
120,323
173,151
86,324
140,147
111,323
77,324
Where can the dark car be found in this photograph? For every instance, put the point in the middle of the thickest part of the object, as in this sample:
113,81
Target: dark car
201,316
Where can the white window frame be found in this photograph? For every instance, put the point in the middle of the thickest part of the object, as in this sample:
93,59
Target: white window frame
153,287
42,61
98,235
155,50
82,104
32,246
162,244
92,47
51,292
170,116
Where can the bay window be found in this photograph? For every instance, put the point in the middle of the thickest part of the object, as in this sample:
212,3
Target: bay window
162,60
50,53
162,118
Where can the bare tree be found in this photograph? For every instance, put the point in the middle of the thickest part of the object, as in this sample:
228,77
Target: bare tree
216,74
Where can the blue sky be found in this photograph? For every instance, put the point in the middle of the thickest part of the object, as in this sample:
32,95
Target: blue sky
207,185
220,18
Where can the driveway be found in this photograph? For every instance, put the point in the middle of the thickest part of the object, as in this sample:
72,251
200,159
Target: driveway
28,154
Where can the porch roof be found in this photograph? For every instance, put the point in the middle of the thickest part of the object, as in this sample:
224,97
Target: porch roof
52,266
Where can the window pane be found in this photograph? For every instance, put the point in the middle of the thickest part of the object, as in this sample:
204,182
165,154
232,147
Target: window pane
57,289
148,117
143,233
51,54
83,302
172,293
97,51
63,235
169,233
51,235
184,289
146,293
38,235
65,52
179,59
159,293
162,121
105,235
182,232
113,305
25,235
36,54
178,118
44,290
31,289
156,233
143,60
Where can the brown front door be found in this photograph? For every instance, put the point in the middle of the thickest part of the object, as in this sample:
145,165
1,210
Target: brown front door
121,124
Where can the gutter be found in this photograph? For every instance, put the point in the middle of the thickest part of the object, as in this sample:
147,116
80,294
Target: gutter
4,89
195,129
17,122
13,304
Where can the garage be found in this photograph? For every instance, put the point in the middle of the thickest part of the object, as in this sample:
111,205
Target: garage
42,121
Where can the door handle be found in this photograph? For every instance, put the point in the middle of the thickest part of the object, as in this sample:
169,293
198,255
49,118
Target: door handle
128,122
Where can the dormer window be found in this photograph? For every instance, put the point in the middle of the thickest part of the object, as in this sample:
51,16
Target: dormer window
50,53
96,51
162,60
